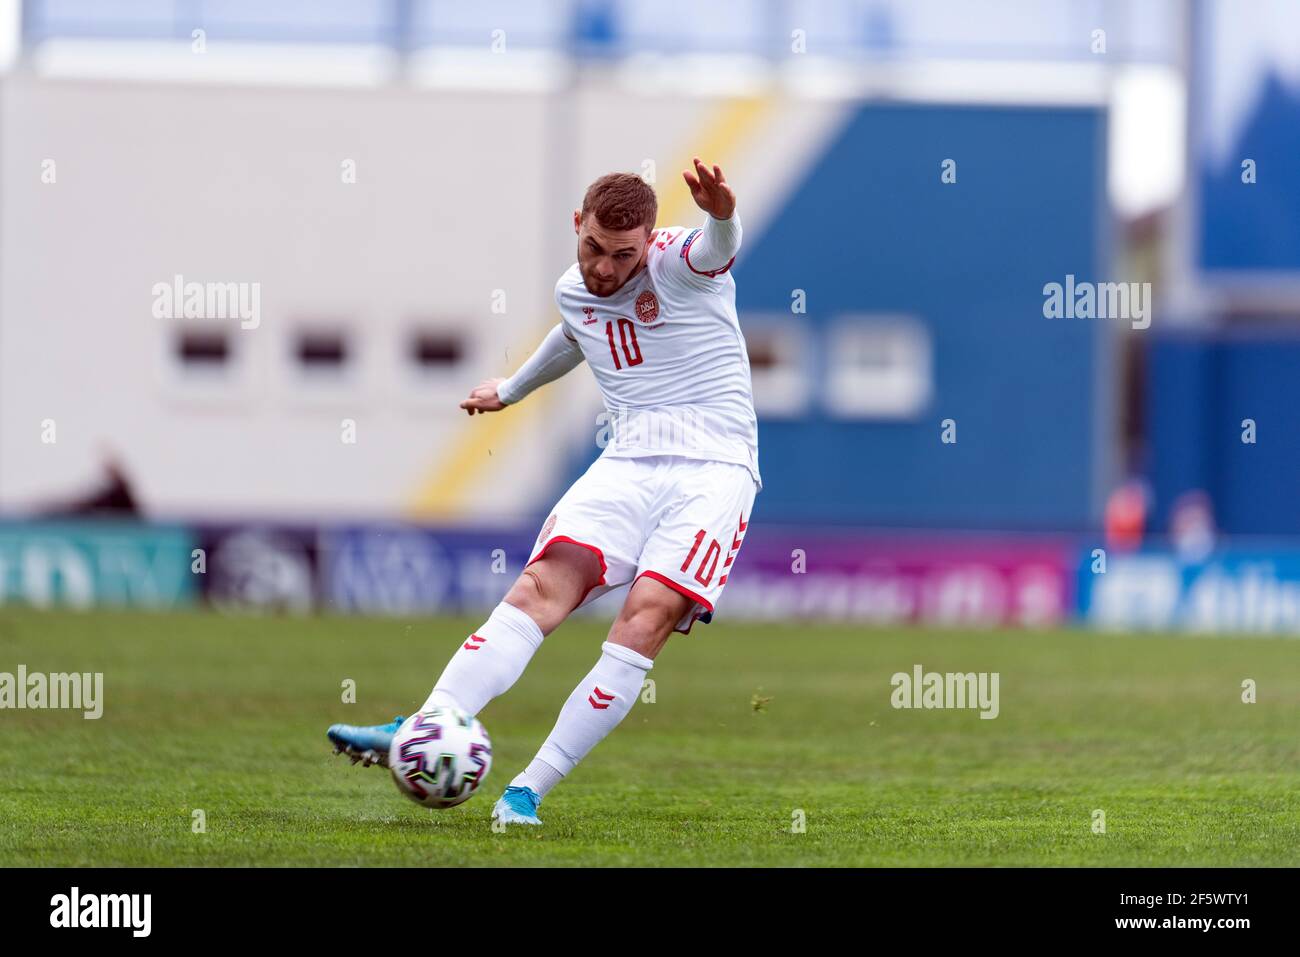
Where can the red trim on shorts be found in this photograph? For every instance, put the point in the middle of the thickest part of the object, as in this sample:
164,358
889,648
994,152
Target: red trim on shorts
680,589
604,568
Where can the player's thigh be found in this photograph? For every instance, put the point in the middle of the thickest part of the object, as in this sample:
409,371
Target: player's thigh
604,512
550,588
692,548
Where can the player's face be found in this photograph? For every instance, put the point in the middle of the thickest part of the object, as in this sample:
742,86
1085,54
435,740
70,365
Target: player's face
608,257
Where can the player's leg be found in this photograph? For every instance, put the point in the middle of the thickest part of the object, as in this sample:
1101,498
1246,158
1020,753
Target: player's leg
491,659
684,565
602,699
587,546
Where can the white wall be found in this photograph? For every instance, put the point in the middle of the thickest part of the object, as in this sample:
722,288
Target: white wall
457,195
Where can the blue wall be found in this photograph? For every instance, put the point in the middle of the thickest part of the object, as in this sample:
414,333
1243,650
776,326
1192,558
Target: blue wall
1240,85
1199,390
872,228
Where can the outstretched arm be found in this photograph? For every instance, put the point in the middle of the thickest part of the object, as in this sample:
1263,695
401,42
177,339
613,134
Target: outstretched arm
556,355
718,242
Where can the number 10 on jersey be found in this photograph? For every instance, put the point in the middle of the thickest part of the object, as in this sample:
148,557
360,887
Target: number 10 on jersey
627,339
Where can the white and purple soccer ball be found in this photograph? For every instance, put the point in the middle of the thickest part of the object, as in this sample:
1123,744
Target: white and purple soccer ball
440,757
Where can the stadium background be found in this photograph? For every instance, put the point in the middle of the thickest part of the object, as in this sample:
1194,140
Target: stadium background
396,177
252,528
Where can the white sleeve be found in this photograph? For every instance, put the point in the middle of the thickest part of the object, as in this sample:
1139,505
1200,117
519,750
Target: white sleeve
557,355
709,250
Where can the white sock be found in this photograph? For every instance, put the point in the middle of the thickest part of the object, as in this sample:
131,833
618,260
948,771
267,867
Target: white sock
488,662
593,710
539,776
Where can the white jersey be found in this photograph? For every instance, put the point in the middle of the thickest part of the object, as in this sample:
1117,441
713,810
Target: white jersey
669,357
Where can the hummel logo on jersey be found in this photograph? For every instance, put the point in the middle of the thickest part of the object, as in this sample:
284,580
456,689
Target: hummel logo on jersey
590,313
666,238
597,693
475,643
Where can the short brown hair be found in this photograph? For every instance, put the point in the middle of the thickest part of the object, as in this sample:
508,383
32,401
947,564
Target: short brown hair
621,201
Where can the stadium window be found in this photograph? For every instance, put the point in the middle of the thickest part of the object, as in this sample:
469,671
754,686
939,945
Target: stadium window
778,365
878,367
322,350
203,360
206,349
432,351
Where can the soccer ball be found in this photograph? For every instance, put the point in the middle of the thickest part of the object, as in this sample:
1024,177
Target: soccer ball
440,757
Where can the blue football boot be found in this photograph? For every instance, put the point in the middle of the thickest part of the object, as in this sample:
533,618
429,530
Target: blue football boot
368,744
517,806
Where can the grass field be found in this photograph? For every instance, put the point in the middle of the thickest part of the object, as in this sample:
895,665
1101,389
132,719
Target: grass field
228,715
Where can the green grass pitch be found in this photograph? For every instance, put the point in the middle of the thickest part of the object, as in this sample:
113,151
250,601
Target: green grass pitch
227,715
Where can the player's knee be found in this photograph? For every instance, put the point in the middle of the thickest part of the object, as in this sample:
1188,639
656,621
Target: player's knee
528,594
646,625
553,586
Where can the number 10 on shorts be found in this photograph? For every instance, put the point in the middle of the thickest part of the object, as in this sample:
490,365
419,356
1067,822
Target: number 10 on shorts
709,561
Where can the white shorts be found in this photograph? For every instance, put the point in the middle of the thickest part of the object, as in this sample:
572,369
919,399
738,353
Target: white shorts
679,521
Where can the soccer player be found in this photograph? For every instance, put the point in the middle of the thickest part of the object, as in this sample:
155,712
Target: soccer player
665,506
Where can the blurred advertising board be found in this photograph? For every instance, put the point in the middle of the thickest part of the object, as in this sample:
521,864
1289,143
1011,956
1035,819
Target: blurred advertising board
1241,591
780,574
86,564
893,579
403,570
259,568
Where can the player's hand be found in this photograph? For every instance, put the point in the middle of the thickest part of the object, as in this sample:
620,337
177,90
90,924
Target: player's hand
710,191
483,398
